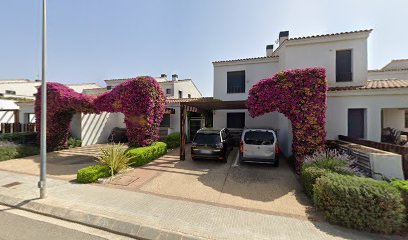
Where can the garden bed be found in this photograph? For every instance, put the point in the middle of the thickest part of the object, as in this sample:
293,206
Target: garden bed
10,150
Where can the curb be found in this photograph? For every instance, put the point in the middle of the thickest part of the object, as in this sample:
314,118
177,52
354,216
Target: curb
96,221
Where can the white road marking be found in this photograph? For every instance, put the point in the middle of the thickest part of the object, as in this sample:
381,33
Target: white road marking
236,162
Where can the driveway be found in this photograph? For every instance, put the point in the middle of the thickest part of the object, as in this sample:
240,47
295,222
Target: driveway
60,164
253,187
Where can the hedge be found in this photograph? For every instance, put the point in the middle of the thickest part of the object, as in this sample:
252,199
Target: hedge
12,151
19,138
92,173
402,186
142,155
359,202
309,175
172,140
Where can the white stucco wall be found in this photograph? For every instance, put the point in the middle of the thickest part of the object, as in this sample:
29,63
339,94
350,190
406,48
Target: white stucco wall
373,101
96,128
254,71
394,118
323,54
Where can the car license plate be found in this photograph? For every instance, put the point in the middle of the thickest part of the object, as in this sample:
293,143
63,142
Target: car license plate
205,151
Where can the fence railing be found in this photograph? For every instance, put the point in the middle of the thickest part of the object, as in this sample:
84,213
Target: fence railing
17,127
403,151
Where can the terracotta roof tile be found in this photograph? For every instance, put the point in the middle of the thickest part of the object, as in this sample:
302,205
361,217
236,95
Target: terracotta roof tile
246,59
331,34
375,84
180,100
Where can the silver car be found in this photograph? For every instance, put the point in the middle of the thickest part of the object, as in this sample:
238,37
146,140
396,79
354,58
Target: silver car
259,145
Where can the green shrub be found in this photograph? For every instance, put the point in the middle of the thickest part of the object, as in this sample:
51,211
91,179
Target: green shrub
10,150
402,186
92,173
142,155
172,140
74,142
19,138
115,157
309,175
359,202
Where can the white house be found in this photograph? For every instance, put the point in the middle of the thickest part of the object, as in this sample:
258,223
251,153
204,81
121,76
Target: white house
21,91
357,107
96,128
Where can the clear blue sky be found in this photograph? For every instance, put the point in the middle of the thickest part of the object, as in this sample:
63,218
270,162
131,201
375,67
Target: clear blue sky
93,40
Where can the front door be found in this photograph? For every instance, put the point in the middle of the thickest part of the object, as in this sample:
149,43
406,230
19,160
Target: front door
195,125
356,123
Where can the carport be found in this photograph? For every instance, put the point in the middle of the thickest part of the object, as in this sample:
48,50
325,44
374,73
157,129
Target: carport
202,105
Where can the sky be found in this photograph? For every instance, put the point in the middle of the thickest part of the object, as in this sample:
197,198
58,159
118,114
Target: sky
94,40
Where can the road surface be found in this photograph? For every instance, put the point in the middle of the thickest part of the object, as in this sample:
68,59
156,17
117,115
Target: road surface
16,224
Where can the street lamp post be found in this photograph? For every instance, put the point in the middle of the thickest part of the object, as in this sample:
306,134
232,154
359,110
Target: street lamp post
43,133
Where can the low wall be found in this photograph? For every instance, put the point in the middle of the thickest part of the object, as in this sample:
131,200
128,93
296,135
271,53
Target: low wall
403,151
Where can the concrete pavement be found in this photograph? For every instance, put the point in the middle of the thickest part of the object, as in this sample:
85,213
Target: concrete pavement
149,216
22,225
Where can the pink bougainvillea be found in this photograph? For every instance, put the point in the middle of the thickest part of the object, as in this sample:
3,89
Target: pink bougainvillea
300,95
142,102
62,103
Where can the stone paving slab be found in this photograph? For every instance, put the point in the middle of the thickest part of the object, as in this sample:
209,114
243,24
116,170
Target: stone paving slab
149,216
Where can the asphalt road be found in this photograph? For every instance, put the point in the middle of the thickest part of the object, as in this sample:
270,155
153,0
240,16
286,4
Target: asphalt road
21,225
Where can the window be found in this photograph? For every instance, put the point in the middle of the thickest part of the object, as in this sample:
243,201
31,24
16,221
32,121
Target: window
108,87
343,66
236,82
189,95
10,92
180,94
406,118
168,91
29,118
207,138
166,121
235,120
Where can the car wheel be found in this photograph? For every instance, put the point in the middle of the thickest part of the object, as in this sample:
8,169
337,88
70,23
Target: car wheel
276,164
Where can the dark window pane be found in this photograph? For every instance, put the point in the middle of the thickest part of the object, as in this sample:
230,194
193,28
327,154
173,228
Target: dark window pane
236,82
259,138
168,91
343,66
108,87
166,121
201,138
235,120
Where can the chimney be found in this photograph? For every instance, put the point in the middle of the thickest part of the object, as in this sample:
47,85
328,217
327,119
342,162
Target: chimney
174,77
283,36
269,50
163,75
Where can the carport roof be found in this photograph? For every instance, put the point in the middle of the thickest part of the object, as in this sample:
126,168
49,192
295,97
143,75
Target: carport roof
208,103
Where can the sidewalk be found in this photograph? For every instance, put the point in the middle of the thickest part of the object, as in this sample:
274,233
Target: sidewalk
146,216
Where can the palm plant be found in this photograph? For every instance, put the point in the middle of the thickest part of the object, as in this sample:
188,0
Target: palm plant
115,157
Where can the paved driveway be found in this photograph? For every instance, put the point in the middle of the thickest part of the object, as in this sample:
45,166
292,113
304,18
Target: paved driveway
254,187
60,164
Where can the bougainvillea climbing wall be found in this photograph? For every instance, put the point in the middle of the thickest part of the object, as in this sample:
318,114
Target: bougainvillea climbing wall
143,103
62,103
299,94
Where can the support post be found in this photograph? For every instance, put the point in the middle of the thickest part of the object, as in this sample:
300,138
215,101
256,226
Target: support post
183,136
43,132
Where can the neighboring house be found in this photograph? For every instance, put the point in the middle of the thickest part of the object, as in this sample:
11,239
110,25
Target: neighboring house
357,107
26,90
96,128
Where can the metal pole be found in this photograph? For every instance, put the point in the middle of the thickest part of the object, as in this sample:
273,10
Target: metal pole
43,152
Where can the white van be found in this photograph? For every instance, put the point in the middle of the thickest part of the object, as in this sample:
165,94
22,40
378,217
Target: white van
259,145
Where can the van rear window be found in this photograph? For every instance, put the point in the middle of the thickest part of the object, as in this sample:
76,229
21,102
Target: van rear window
259,138
201,138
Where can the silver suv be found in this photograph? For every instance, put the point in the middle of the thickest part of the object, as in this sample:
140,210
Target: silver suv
259,145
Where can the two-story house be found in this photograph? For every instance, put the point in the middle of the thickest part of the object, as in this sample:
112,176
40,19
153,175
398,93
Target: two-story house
357,107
